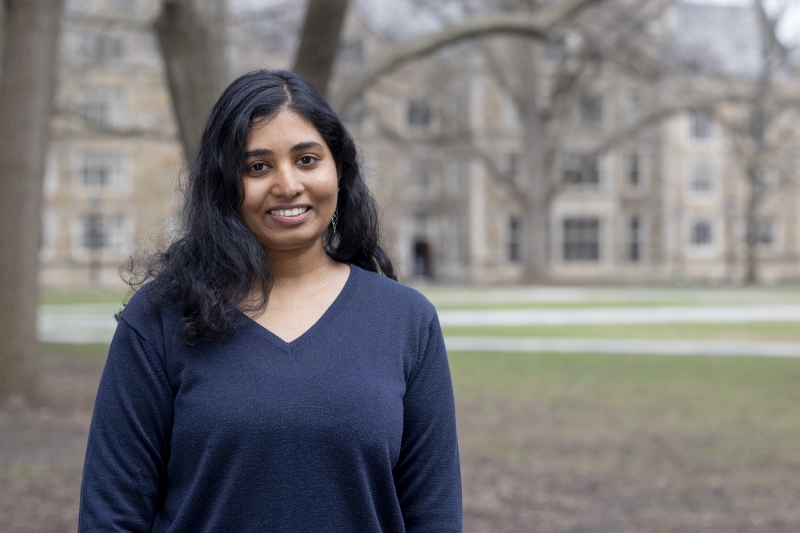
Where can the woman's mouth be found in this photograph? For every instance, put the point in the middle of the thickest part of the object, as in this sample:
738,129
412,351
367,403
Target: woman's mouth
293,212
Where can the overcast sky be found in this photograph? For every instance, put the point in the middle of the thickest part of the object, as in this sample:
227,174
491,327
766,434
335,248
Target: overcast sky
401,19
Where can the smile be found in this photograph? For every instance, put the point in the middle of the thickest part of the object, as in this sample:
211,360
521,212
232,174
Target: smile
295,211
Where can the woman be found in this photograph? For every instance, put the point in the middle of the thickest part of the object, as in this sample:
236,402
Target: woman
268,378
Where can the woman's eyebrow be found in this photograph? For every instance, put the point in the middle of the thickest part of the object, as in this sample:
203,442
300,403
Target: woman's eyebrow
258,152
306,145
296,148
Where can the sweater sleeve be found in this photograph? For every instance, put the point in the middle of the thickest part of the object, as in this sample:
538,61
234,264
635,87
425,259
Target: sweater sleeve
125,468
427,474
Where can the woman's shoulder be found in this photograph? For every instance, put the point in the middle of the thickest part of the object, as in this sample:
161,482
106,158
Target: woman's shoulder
393,295
148,308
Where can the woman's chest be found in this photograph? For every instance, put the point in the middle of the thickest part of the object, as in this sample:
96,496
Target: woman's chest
346,400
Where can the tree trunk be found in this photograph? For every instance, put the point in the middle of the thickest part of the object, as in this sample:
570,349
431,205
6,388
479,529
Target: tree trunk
751,225
319,41
192,38
26,94
535,226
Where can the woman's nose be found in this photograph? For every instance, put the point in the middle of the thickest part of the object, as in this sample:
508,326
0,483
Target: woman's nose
287,183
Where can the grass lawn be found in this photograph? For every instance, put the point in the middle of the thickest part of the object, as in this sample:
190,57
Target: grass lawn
563,443
745,331
567,443
83,297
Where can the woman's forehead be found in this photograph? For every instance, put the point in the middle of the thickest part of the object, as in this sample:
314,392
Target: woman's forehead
285,119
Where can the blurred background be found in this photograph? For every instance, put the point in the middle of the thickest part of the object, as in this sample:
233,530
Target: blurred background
586,189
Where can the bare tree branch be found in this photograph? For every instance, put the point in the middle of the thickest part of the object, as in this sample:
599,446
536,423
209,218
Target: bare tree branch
536,26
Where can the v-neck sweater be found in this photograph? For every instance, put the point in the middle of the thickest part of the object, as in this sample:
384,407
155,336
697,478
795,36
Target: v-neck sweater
348,428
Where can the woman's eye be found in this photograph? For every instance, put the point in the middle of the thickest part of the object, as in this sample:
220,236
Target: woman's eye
307,160
258,167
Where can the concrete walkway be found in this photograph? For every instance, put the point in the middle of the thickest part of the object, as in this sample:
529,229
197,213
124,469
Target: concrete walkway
77,324
89,323
623,346
620,315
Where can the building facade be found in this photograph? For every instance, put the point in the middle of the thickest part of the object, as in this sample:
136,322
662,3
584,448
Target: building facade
444,146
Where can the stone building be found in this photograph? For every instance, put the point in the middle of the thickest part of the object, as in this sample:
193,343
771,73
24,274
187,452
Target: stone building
114,159
443,146
666,204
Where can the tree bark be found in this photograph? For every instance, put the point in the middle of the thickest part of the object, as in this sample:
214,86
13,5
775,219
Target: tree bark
27,87
319,41
192,38
537,210
536,26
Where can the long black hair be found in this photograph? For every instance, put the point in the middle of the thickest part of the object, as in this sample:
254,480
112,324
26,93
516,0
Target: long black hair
216,266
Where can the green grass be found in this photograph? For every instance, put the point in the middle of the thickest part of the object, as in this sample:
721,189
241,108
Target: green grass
77,353
749,408
756,331
83,297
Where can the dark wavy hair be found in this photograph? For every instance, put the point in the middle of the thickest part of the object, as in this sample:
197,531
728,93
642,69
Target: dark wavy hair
216,266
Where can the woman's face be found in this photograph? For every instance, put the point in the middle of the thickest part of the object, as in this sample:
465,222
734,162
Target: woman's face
290,183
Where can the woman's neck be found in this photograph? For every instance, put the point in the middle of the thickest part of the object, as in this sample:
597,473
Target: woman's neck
299,267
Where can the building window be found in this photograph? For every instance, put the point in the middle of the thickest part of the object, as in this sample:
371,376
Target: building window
421,175
512,166
635,245
581,239
419,113
765,234
592,110
581,169
455,109
99,48
103,106
701,180
701,233
555,47
634,105
634,172
514,239
452,241
101,169
700,124
103,232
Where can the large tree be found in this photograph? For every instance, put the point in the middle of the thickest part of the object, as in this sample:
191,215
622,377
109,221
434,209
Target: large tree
319,41
192,38
27,82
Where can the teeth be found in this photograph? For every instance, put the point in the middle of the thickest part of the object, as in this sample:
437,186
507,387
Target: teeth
289,212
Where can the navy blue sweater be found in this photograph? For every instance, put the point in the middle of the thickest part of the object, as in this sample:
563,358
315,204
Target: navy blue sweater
349,428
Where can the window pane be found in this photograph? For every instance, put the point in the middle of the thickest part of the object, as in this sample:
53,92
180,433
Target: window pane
700,124
633,169
418,113
634,250
592,110
581,169
701,233
514,227
701,178
581,239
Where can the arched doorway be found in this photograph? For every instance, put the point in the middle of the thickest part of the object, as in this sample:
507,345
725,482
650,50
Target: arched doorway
423,260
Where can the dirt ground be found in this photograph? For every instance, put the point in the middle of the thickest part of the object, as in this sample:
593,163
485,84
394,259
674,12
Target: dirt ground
555,467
